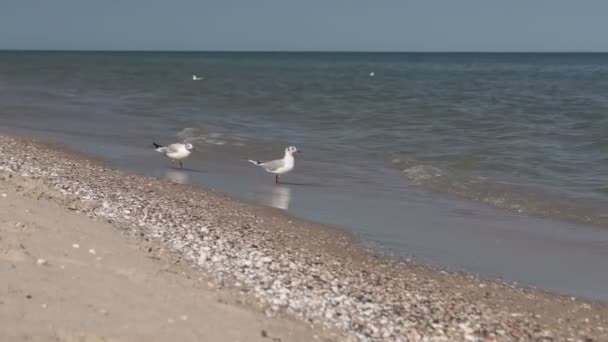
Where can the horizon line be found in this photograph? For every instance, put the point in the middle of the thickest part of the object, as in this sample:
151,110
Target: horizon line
308,51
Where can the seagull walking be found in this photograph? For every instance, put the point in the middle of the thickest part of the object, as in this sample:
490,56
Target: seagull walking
177,151
279,166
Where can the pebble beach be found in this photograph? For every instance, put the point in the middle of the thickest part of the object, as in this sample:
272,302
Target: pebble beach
289,267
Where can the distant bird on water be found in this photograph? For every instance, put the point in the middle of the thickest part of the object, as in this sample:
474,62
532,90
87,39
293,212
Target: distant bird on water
177,151
196,78
279,166
371,74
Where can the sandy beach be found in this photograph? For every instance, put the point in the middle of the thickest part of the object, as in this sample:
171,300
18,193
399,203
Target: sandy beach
164,261
66,277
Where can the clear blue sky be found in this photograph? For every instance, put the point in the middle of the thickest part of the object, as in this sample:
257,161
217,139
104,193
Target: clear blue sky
363,25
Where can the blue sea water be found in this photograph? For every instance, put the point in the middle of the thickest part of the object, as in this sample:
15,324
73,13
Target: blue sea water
523,132
506,129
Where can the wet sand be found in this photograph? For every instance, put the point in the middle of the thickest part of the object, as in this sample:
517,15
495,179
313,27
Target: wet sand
303,270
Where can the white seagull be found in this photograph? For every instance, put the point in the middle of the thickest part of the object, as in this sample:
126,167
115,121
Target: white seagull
196,78
279,166
177,151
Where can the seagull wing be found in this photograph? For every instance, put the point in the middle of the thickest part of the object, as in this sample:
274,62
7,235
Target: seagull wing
174,148
272,165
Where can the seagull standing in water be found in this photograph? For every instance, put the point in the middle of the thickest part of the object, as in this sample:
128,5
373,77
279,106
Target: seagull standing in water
279,166
177,151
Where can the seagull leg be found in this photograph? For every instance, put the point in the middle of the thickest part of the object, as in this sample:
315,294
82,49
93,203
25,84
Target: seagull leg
180,165
276,179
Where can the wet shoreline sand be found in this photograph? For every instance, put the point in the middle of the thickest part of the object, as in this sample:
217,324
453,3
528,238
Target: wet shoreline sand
430,228
313,272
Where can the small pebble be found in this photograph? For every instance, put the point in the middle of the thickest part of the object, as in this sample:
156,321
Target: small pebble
41,262
170,321
3,195
184,317
92,251
75,245
43,306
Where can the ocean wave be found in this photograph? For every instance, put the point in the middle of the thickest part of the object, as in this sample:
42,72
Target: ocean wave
422,173
199,135
528,200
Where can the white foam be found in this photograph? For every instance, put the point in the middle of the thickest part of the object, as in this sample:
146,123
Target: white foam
421,173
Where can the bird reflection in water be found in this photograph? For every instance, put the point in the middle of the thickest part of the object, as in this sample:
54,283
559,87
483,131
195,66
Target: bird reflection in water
177,176
277,196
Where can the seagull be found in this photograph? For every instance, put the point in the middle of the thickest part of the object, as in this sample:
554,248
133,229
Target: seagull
371,74
279,166
196,78
177,151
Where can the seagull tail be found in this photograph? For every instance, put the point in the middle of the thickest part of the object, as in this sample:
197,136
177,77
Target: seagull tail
157,146
255,162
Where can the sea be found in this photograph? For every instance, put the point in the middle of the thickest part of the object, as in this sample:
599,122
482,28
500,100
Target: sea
489,163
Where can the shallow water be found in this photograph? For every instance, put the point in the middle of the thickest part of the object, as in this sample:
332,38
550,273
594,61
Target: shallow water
522,132
525,132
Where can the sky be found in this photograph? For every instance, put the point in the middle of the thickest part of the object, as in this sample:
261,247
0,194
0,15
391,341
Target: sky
310,25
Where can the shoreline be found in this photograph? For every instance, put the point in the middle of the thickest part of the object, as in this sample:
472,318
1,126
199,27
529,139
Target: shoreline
68,277
313,272
443,231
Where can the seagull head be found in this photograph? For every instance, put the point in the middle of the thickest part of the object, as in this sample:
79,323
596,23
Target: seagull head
291,150
189,147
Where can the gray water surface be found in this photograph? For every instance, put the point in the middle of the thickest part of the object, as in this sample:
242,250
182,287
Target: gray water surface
418,160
